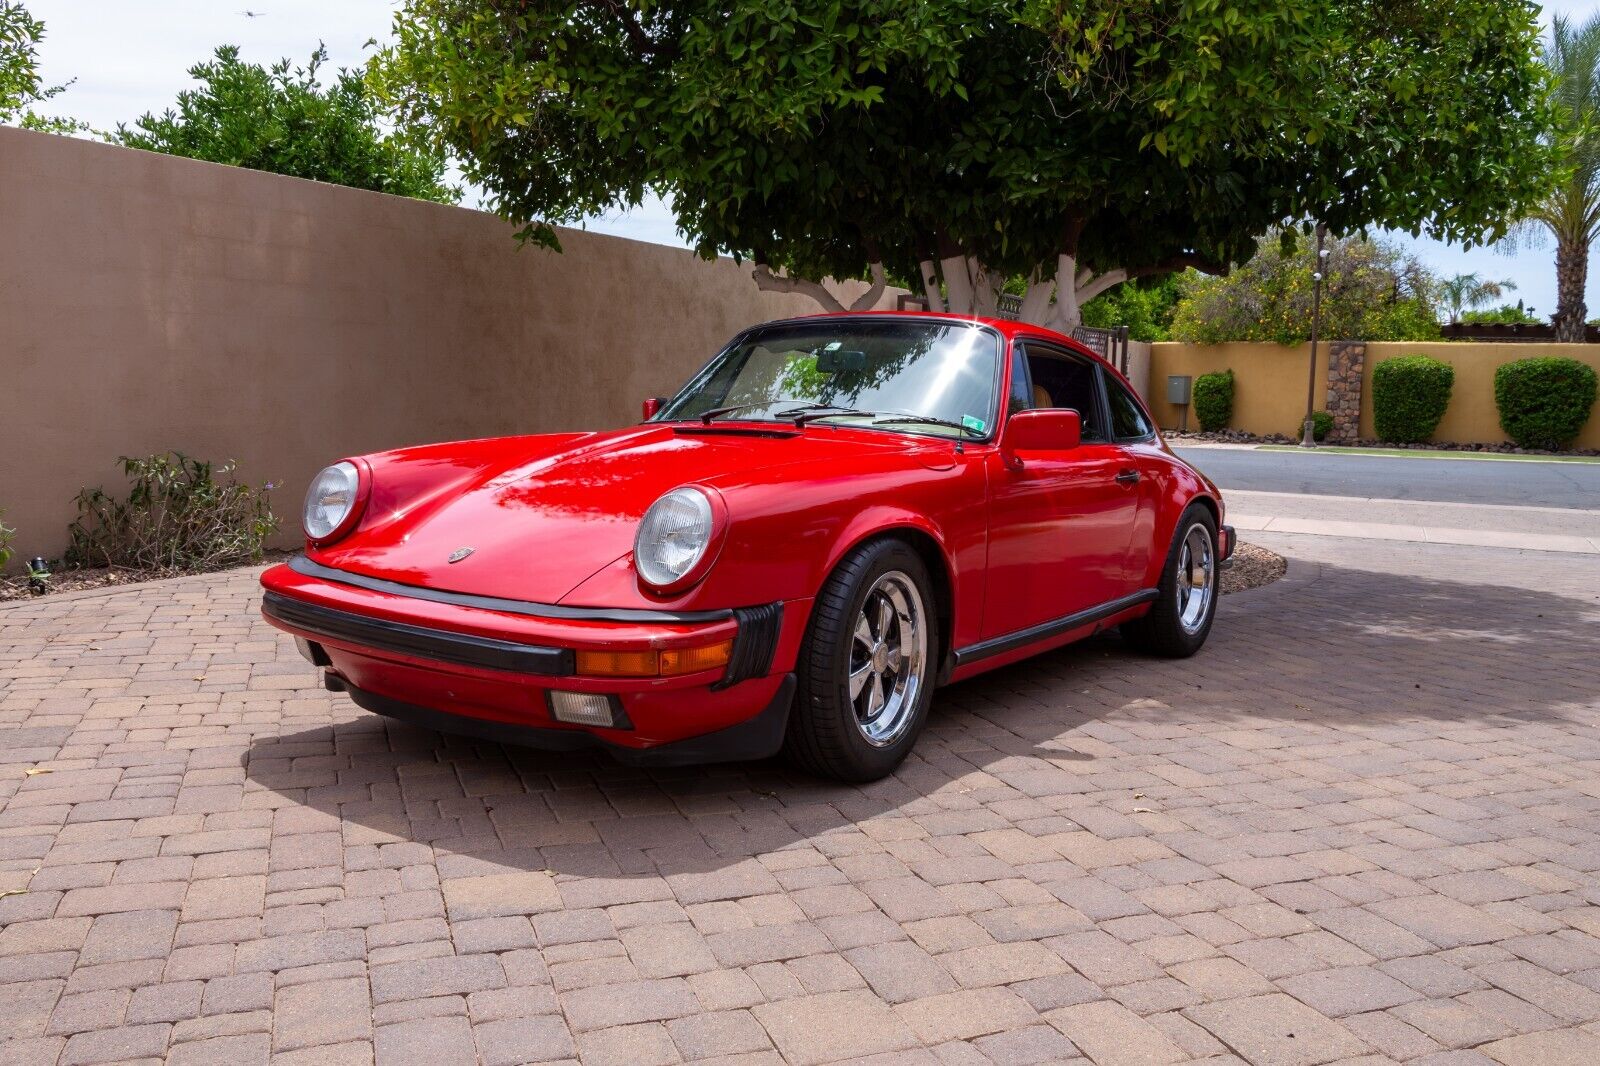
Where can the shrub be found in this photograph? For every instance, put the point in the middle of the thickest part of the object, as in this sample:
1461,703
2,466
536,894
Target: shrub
6,535
1544,402
1321,426
1213,400
1409,396
181,514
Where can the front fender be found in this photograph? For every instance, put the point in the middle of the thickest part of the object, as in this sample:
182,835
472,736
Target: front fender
785,537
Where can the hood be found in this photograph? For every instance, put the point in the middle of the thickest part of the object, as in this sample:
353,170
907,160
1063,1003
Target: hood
540,520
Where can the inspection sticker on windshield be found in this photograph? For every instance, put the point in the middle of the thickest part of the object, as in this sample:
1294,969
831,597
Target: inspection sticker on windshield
977,425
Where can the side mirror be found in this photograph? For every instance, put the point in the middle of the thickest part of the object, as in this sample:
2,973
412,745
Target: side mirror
1050,430
651,406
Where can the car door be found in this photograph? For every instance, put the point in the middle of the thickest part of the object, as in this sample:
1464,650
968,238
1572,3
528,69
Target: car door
1133,432
1059,523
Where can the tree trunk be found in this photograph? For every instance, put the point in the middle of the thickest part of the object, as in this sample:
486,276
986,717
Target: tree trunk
930,285
1067,314
1572,277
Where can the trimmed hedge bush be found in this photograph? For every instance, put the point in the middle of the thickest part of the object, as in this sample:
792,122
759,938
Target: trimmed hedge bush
1213,400
1321,426
1409,396
1544,402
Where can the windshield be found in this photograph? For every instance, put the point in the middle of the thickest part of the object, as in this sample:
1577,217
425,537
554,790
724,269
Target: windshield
934,376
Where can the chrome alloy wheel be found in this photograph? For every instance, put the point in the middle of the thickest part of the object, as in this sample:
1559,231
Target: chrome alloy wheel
888,658
1197,572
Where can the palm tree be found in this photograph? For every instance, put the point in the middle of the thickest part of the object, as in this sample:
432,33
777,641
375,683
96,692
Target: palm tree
1571,210
1469,291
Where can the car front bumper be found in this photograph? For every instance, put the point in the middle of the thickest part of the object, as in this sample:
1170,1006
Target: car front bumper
502,670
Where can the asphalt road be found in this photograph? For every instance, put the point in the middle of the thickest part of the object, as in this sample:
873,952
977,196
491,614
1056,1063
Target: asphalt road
1484,481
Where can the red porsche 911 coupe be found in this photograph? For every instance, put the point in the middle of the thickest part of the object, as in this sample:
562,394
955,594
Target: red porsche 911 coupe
835,516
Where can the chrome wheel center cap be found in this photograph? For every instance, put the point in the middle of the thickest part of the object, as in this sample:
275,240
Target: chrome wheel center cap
880,658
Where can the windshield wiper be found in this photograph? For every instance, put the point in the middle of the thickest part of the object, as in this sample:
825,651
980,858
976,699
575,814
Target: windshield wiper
823,410
717,412
796,405
927,420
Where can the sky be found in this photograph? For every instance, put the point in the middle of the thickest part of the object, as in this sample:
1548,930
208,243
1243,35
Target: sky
127,57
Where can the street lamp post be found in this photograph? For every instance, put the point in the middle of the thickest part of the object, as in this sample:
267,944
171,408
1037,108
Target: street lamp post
1309,440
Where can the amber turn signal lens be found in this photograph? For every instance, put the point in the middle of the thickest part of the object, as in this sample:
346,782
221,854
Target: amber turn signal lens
654,664
693,660
618,663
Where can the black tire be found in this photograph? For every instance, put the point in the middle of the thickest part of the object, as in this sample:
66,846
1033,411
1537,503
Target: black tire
1162,631
825,736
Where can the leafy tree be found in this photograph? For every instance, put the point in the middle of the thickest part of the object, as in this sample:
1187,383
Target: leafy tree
1075,143
1505,315
284,120
1371,290
1145,308
1570,209
1471,291
20,85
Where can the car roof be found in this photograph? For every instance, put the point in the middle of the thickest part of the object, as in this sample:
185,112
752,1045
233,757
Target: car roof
1008,328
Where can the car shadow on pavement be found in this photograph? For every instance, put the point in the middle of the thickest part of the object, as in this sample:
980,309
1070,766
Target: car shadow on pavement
1376,673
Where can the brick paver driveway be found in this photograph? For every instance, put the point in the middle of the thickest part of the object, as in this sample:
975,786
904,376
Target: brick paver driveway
1362,823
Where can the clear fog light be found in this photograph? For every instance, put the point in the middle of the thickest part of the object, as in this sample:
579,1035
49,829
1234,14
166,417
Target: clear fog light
583,708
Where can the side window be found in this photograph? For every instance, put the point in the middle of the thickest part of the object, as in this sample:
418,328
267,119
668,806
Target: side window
1021,397
1128,421
1068,381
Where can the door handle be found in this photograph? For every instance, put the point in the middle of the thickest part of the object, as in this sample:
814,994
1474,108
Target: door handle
1128,477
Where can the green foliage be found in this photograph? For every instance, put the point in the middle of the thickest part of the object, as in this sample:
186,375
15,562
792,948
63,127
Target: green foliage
1544,402
1371,291
1321,426
180,514
1504,315
1145,309
1212,398
20,86
1409,396
1569,208
1142,134
7,536
286,121
1470,291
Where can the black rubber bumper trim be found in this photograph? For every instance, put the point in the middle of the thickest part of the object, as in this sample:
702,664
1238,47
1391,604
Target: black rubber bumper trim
1023,637
301,565
436,644
754,644
1232,540
756,738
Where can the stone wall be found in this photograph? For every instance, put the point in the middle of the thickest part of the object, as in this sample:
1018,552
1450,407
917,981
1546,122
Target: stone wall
1346,364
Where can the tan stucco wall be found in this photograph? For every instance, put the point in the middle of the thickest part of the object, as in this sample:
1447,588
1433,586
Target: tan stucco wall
1472,417
1139,367
1269,382
151,303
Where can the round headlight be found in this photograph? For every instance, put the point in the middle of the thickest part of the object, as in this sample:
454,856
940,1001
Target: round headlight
330,500
673,536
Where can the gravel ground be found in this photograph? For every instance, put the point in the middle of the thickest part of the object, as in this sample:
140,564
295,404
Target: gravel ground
1252,568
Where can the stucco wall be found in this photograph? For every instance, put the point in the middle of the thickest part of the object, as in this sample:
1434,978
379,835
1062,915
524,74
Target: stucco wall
1472,417
1270,383
151,303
